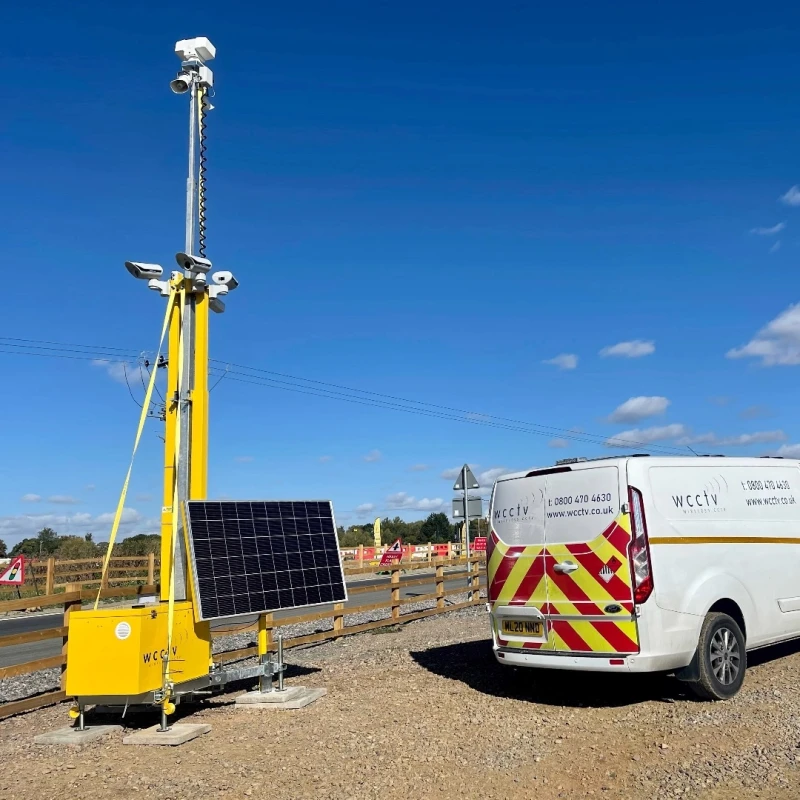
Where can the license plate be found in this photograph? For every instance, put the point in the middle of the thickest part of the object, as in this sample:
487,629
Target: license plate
522,627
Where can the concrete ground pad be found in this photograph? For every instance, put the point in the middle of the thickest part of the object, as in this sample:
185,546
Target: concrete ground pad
177,734
292,698
72,736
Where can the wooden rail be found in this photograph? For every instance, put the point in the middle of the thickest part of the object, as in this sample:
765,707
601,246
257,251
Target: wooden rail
49,574
74,595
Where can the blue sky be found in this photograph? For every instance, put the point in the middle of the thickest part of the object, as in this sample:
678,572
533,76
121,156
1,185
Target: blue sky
430,202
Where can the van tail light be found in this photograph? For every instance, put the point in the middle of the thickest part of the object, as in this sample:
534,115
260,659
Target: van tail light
639,552
490,546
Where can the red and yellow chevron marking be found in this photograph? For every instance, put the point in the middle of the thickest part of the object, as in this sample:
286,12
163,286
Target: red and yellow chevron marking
525,576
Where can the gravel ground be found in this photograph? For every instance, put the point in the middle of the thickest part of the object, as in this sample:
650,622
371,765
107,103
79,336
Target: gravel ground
46,680
424,711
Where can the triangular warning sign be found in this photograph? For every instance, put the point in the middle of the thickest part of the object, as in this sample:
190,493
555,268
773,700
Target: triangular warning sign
15,573
392,554
472,482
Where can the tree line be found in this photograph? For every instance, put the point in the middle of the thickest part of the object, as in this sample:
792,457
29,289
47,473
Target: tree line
435,528
48,543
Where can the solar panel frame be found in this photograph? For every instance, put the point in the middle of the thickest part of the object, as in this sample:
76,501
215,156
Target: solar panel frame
269,579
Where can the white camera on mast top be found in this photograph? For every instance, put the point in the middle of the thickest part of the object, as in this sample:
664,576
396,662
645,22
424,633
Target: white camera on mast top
198,48
191,263
144,272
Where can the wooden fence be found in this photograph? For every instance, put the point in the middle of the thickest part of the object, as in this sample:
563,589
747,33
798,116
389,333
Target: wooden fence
75,594
46,576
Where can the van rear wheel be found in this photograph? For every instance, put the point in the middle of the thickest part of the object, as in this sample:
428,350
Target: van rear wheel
721,658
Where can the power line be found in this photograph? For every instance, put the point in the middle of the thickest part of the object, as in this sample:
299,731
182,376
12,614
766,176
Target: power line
326,390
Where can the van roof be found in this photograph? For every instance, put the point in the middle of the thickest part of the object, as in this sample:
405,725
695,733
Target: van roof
567,465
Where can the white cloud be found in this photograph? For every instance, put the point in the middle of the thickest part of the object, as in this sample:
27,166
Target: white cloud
558,443
325,459
406,501
244,459
563,361
487,478
777,343
452,473
639,408
789,451
14,528
769,231
62,500
639,436
130,516
418,468
636,348
756,412
364,508
117,369
775,247
742,440
373,455
31,498
90,487
792,197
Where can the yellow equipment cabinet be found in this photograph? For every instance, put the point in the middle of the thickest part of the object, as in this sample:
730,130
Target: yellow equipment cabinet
120,652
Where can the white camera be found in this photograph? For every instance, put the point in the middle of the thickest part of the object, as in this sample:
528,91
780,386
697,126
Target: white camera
226,279
216,305
199,47
144,272
182,83
192,263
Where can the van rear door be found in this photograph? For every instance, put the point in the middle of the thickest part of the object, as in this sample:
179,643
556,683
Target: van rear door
588,580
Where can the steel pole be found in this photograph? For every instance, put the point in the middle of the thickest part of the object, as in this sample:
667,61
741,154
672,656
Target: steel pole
187,334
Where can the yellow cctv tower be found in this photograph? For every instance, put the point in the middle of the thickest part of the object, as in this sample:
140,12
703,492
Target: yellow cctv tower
158,651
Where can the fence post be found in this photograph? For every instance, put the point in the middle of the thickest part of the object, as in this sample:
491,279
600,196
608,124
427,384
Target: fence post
338,619
151,569
440,586
361,556
449,550
475,586
430,552
50,578
395,593
69,607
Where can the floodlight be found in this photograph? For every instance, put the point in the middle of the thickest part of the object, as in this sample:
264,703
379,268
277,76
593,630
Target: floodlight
216,305
143,271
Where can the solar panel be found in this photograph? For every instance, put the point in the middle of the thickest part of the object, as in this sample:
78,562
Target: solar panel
253,557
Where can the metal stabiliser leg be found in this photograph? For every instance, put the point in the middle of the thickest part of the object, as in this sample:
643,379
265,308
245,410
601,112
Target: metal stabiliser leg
281,665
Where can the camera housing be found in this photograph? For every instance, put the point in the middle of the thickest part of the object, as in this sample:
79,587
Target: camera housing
191,263
142,271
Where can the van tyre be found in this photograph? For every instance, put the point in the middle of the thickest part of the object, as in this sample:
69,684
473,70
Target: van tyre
720,660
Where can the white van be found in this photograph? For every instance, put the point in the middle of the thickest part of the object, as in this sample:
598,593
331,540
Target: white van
645,564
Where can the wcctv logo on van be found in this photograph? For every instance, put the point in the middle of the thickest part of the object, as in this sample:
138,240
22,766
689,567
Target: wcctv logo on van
708,500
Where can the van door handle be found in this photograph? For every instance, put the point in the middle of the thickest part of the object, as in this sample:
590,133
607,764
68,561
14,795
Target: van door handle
566,566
